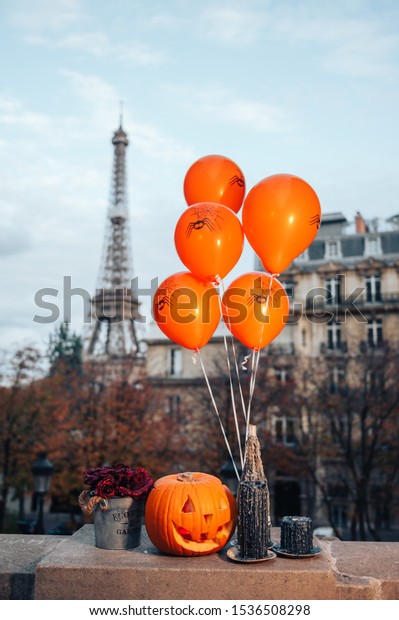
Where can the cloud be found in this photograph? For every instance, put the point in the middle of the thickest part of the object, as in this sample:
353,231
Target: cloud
45,15
12,112
231,26
58,25
103,99
365,53
95,43
14,239
155,143
221,105
92,89
140,54
98,44
351,41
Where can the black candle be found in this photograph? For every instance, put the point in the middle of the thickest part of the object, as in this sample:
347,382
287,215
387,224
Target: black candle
254,524
296,535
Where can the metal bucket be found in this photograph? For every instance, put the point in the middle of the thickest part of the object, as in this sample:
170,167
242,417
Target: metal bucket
119,526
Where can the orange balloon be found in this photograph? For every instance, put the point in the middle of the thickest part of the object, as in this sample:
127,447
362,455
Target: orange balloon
215,178
209,240
187,309
280,217
255,309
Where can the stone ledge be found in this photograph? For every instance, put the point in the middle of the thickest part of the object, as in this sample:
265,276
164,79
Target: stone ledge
79,570
73,568
19,556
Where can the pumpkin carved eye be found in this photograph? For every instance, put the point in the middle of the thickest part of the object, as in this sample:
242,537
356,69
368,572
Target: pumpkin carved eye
188,505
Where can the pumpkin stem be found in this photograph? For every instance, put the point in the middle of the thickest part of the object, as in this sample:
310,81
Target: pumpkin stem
187,476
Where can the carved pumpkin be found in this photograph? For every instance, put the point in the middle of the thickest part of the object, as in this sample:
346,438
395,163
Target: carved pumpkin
190,514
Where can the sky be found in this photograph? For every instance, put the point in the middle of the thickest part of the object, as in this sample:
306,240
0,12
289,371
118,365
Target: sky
301,87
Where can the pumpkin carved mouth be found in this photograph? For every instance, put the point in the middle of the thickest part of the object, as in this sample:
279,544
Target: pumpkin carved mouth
202,543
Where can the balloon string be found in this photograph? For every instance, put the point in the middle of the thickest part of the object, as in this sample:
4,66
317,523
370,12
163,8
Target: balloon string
255,358
233,403
234,356
251,390
245,362
218,416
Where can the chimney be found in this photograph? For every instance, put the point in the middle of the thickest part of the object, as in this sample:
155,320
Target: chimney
361,226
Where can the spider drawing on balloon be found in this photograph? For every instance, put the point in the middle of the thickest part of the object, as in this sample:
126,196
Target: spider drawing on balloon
164,301
260,298
206,217
237,180
315,220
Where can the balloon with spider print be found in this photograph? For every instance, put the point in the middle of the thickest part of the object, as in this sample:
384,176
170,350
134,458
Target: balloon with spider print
209,240
255,309
281,217
215,178
187,309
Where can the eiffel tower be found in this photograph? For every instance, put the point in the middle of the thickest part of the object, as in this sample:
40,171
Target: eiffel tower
114,308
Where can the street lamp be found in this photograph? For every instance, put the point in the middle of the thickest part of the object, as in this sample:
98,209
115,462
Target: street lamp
42,471
229,476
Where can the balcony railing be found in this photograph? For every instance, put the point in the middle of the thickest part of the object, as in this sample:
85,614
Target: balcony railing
287,348
362,301
366,347
338,348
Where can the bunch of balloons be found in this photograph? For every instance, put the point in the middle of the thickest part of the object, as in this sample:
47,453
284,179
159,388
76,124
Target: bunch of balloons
280,218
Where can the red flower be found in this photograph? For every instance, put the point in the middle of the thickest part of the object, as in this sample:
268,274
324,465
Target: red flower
107,487
119,480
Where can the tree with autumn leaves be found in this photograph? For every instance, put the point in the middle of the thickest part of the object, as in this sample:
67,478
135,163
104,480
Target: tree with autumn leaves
343,444
82,419
20,421
344,439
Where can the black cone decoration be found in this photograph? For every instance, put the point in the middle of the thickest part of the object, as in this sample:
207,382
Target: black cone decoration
254,523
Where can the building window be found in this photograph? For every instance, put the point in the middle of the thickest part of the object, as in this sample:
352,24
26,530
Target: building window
333,286
175,362
336,379
372,246
172,405
334,336
333,249
304,255
282,374
289,289
284,430
373,287
374,333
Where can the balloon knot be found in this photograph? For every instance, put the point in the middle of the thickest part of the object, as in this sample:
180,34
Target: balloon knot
195,357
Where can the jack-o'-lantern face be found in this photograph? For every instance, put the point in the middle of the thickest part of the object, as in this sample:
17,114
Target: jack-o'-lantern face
190,514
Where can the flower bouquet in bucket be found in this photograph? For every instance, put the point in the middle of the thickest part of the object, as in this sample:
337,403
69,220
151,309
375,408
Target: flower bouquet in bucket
116,498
